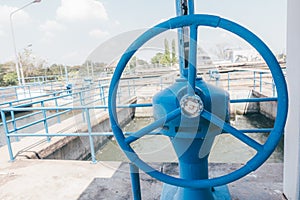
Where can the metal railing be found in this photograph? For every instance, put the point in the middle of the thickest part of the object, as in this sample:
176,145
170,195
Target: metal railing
86,109
260,81
79,100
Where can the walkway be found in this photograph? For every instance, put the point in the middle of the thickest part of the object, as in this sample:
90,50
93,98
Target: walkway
61,180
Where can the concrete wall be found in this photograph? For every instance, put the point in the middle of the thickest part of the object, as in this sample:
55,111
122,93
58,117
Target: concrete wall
291,181
267,109
78,148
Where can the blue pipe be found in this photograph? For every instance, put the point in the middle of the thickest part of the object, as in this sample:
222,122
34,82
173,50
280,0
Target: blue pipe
180,41
191,7
192,67
135,182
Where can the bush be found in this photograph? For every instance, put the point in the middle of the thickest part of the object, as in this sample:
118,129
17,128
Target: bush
10,79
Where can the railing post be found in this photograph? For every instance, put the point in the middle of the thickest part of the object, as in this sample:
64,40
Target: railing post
228,81
254,80
29,91
56,105
134,90
45,121
102,95
128,85
260,82
87,111
82,103
160,83
16,92
24,91
12,113
273,88
8,142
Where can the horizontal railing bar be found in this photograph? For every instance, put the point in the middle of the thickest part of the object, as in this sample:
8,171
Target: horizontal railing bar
55,97
259,130
24,116
253,100
75,107
83,134
26,125
26,99
130,106
39,121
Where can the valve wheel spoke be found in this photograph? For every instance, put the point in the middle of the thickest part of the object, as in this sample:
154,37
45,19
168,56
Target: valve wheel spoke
192,71
158,123
233,131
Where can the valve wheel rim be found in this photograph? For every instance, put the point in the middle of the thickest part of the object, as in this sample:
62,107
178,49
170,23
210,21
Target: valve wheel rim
279,80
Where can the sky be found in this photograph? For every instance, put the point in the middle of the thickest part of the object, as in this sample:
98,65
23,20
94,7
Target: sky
67,31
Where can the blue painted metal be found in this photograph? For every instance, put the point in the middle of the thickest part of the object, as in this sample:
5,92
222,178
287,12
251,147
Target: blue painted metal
254,100
191,7
254,80
158,123
13,133
58,117
192,66
228,81
263,151
8,142
135,182
180,41
192,137
273,88
260,82
82,103
87,111
45,121
12,114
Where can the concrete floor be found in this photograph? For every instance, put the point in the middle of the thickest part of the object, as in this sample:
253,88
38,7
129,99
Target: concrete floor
264,184
55,179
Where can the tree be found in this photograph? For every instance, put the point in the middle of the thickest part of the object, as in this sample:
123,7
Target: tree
167,57
5,68
157,59
10,79
174,58
32,65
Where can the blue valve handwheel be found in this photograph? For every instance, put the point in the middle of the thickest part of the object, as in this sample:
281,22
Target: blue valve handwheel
282,103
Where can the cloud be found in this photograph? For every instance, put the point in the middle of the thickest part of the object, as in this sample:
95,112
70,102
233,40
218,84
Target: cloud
2,33
20,17
73,10
52,25
97,33
50,29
